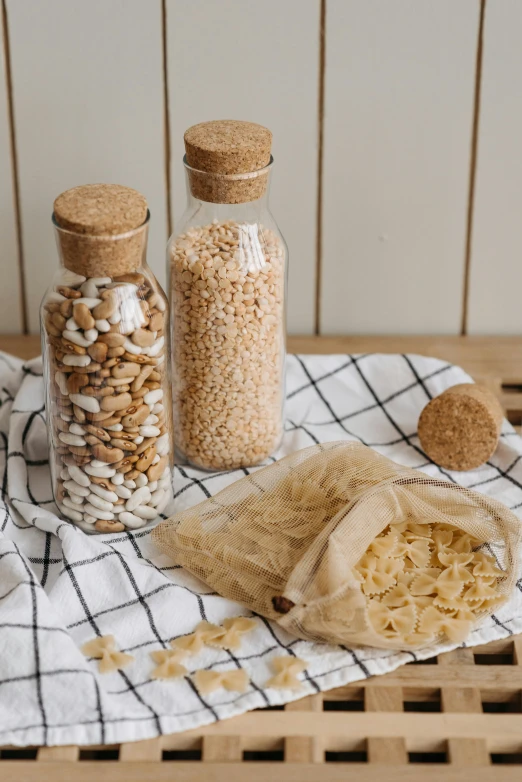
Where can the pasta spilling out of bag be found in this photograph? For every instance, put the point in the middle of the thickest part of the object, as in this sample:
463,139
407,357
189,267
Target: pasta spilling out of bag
339,544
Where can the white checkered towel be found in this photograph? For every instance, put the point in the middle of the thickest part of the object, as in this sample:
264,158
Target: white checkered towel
59,587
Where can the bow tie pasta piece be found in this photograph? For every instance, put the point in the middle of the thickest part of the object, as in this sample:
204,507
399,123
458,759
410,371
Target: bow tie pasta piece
209,681
391,621
193,643
104,650
485,566
434,621
400,595
385,545
287,670
411,530
417,551
377,574
481,595
231,632
168,663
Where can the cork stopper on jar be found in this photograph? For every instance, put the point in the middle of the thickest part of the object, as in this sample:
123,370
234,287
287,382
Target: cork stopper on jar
226,160
102,229
459,429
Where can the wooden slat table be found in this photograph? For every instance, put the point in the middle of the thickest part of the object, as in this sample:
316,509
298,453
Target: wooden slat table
456,717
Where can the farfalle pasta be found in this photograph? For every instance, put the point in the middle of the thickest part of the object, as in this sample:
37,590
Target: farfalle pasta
339,544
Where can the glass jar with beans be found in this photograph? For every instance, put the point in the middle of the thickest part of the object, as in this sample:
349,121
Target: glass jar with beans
227,269
104,323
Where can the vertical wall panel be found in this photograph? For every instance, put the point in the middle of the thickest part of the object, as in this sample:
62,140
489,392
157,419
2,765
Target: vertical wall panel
257,61
89,108
495,303
399,102
10,316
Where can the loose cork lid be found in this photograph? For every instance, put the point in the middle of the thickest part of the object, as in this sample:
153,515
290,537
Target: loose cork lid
226,148
459,429
104,229
100,209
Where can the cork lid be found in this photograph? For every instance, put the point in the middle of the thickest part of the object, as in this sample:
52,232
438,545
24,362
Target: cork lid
228,146
459,429
100,209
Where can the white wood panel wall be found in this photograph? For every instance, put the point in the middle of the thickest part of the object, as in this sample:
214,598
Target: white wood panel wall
89,96
495,304
10,309
399,105
257,61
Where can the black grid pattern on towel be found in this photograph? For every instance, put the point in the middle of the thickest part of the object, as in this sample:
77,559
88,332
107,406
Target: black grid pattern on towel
59,587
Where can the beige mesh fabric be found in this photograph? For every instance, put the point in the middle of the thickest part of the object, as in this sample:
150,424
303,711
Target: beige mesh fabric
297,528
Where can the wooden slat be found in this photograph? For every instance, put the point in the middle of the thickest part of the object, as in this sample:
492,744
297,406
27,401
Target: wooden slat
302,749
496,279
88,98
218,749
385,751
463,751
399,104
10,310
257,62
54,754
137,751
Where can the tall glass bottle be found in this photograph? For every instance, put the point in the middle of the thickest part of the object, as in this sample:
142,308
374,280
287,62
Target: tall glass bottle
104,324
227,268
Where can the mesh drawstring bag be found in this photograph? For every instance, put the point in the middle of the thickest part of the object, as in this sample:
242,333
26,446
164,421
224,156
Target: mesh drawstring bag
339,544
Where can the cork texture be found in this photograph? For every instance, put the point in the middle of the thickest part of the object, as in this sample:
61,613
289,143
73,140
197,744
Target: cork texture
460,428
218,153
101,229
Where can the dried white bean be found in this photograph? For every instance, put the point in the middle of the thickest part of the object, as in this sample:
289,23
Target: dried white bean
99,472
61,381
163,504
64,474
77,338
89,289
115,428
105,494
153,485
102,325
72,486
76,429
139,439
54,298
78,475
130,347
118,479
145,512
91,335
99,502
69,278
162,444
89,403
69,503
65,417
90,302
98,513
151,420
141,480
72,360
149,431
71,325
152,397
72,439
129,484
157,497
98,463
72,514
155,349
139,497
100,282
88,519
130,520
156,459
157,408
114,319
122,491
